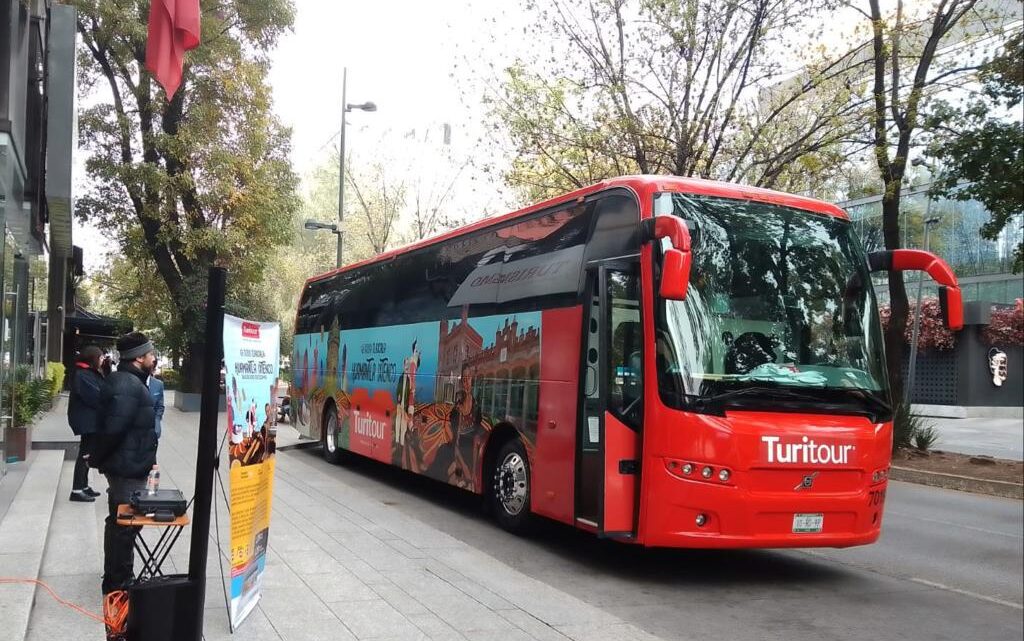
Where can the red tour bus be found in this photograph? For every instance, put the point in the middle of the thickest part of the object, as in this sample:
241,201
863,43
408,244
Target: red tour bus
659,360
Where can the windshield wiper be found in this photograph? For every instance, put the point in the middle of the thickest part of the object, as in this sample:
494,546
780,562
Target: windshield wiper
774,392
874,405
878,407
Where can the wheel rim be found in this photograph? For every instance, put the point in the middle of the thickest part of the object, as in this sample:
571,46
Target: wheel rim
331,438
511,485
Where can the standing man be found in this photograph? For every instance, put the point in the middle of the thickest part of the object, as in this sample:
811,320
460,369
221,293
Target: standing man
125,450
156,389
86,382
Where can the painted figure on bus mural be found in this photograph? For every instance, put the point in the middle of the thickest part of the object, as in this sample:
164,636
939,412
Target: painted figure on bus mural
405,396
331,374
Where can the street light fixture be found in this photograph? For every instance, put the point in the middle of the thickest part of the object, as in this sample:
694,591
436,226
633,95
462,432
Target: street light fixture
315,225
346,107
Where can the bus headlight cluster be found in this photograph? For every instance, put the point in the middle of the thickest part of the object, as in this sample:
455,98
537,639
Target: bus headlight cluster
698,471
880,476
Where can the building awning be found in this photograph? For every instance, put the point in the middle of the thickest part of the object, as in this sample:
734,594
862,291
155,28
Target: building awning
82,322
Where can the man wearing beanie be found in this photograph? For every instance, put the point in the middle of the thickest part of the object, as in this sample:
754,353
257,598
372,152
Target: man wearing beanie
124,449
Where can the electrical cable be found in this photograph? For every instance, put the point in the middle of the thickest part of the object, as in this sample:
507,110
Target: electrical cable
114,604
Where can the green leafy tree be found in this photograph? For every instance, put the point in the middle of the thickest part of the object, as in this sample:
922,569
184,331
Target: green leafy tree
688,88
200,180
906,70
983,145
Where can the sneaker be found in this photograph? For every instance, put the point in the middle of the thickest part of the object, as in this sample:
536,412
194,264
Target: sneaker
88,491
79,496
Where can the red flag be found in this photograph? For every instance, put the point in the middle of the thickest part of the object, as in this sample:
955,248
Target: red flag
173,30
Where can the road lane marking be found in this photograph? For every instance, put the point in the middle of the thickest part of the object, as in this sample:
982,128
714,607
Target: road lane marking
974,595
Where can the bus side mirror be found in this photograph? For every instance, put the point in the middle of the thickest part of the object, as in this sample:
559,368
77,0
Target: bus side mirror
675,268
950,297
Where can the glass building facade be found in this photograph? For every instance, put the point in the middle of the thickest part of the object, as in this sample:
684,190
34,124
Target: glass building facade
983,267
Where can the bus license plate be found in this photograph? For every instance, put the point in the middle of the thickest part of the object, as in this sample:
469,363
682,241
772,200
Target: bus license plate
804,523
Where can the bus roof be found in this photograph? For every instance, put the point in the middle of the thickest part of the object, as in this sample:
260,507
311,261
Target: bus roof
643,186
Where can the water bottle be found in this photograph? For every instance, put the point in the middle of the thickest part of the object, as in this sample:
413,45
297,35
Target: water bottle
153,482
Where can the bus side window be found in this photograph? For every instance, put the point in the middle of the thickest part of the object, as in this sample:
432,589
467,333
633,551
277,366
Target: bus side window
625,364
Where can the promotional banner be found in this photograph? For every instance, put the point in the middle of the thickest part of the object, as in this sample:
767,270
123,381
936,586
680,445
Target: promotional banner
251,368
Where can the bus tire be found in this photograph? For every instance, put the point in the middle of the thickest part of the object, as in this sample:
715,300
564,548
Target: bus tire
328,437
510,489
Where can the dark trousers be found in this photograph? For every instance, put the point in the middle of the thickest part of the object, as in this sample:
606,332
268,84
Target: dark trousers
81,478
118,540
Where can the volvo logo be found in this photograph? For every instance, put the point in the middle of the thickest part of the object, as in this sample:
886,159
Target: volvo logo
807,482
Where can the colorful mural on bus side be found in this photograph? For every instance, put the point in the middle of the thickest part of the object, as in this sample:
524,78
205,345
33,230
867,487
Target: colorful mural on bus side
424,396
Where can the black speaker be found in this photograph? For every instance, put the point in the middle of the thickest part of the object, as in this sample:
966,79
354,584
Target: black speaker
163,609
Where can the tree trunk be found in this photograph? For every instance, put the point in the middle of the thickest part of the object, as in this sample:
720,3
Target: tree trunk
192,366
895,346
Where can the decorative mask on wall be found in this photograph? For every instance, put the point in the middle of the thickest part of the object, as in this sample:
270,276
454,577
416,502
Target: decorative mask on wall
997,365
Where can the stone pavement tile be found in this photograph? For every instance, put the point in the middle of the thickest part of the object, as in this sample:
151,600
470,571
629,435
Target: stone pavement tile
361,569
304,562
464,614
387,561
459,581
548,604
73,544
369,619
417,582
400,599
611,632
255,627
280,575
533,626
291,607
340,585
434,627
407,550
50,620
319,628
514,634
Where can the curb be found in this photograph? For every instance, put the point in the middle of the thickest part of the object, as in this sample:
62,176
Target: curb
955,482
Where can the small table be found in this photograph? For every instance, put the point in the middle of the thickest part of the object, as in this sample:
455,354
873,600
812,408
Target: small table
152,557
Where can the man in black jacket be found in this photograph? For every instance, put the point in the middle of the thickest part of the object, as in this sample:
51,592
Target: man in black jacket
86,382
124,449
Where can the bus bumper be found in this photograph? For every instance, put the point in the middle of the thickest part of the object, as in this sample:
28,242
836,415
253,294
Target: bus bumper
696,514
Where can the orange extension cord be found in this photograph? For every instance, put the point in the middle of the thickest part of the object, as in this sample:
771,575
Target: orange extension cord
115,605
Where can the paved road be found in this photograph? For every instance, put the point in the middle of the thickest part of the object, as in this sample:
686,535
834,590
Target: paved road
948,566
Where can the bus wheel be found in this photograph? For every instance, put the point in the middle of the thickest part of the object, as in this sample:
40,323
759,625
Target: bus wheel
510,497
329,439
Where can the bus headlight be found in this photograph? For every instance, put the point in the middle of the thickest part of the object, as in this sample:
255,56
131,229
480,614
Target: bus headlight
723,475
707,472
687,468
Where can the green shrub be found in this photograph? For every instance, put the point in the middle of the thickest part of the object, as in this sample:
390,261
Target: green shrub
171,378
925,437
905,426
55,372
30,396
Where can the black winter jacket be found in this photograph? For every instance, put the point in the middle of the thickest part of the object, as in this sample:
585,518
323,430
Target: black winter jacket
84,403
125,443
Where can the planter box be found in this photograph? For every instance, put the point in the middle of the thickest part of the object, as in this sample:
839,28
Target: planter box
18,442
190,402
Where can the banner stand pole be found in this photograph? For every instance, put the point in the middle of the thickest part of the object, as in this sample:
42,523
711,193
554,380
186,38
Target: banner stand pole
206,450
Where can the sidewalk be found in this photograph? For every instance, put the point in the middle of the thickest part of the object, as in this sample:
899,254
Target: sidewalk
341,566
997,437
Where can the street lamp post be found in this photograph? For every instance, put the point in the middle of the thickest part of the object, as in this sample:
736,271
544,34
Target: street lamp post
912,365
345,108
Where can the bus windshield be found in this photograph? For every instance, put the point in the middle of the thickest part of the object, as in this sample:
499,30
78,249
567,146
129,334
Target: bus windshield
780,310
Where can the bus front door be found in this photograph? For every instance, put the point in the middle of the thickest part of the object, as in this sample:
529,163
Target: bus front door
609,437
